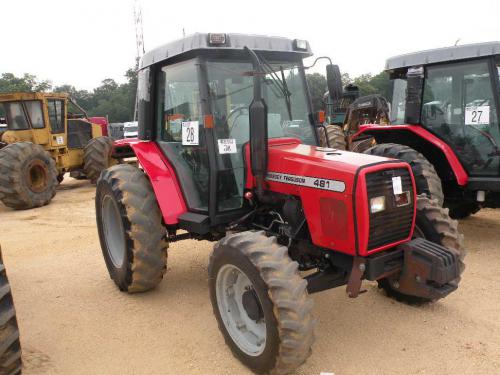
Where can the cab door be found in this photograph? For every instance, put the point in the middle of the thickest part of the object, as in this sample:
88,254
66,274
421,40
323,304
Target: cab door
460,105
39,128
56,113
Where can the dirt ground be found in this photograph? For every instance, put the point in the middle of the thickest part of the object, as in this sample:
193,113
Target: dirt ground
73,320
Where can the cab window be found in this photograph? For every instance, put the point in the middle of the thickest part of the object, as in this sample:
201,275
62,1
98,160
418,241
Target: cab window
459,106
398,104
35,113
16,118
56,115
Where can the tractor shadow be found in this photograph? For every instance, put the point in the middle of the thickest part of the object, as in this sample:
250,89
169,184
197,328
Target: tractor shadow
72,184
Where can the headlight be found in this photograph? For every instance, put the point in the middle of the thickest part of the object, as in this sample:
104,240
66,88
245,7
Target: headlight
300,44
377,204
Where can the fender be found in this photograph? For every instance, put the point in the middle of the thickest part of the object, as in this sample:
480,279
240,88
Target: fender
161,174
455,164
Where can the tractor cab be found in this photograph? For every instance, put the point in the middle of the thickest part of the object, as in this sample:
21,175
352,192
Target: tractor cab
203,109
453,93
50,119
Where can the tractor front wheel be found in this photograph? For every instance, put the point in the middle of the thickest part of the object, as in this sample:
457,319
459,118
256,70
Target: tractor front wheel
28,176
261,302
97,157
131,229
434,224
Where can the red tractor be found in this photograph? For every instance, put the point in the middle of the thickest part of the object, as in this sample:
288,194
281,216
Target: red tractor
444,121
228,152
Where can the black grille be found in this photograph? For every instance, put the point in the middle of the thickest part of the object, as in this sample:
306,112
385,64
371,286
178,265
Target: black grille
394,223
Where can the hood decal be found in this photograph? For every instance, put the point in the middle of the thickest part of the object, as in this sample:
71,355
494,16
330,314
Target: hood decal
307,181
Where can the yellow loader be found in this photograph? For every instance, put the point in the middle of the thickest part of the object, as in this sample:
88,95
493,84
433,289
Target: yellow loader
43,141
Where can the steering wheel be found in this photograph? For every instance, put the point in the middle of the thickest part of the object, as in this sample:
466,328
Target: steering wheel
238,110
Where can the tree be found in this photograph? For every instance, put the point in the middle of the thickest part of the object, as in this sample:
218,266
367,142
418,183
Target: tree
317,87
27,83
378,84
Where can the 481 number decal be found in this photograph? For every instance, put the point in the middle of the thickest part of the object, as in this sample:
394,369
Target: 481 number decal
312,182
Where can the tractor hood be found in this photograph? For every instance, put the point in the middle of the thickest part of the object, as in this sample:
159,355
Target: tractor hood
293,163
336,189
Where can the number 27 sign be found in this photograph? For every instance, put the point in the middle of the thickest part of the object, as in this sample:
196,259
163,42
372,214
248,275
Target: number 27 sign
477,115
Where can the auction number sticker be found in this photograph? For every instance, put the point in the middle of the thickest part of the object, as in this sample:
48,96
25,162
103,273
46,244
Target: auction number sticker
60,140
477,115
397,185
312,182
190,133
227,146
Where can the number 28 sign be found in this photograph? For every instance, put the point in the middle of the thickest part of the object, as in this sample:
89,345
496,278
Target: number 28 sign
190,133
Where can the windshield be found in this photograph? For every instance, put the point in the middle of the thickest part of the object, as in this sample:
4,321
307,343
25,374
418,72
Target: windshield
231,92
15,116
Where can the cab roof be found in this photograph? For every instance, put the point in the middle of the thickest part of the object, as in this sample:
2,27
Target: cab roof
13,96
432,56
233,42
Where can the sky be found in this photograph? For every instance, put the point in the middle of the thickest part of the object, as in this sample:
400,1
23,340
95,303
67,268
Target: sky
82,42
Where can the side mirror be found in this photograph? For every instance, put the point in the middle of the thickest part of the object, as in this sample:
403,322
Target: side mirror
334,81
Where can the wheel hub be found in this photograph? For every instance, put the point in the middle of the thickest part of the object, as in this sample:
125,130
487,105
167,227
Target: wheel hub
241,310
36,176
251,305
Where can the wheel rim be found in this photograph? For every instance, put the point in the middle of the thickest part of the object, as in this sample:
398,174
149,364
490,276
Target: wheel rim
113,231
36,176
232,287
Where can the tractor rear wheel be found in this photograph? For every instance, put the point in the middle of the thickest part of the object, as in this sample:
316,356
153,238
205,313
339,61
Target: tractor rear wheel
426,177
97,157
261,302
28,176
434,224
131,229
10,348
333,138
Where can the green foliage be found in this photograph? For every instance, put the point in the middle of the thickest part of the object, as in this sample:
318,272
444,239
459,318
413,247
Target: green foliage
367,84
117,101
28,82
317,87
377,84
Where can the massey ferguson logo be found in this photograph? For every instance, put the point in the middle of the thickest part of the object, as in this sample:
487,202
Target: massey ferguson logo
312,182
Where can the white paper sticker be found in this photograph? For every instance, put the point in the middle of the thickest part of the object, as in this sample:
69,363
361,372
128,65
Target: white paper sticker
227,146
477,115
60,140
397,186
190,133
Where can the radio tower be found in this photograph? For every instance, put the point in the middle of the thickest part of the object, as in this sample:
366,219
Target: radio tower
139,43
139,35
